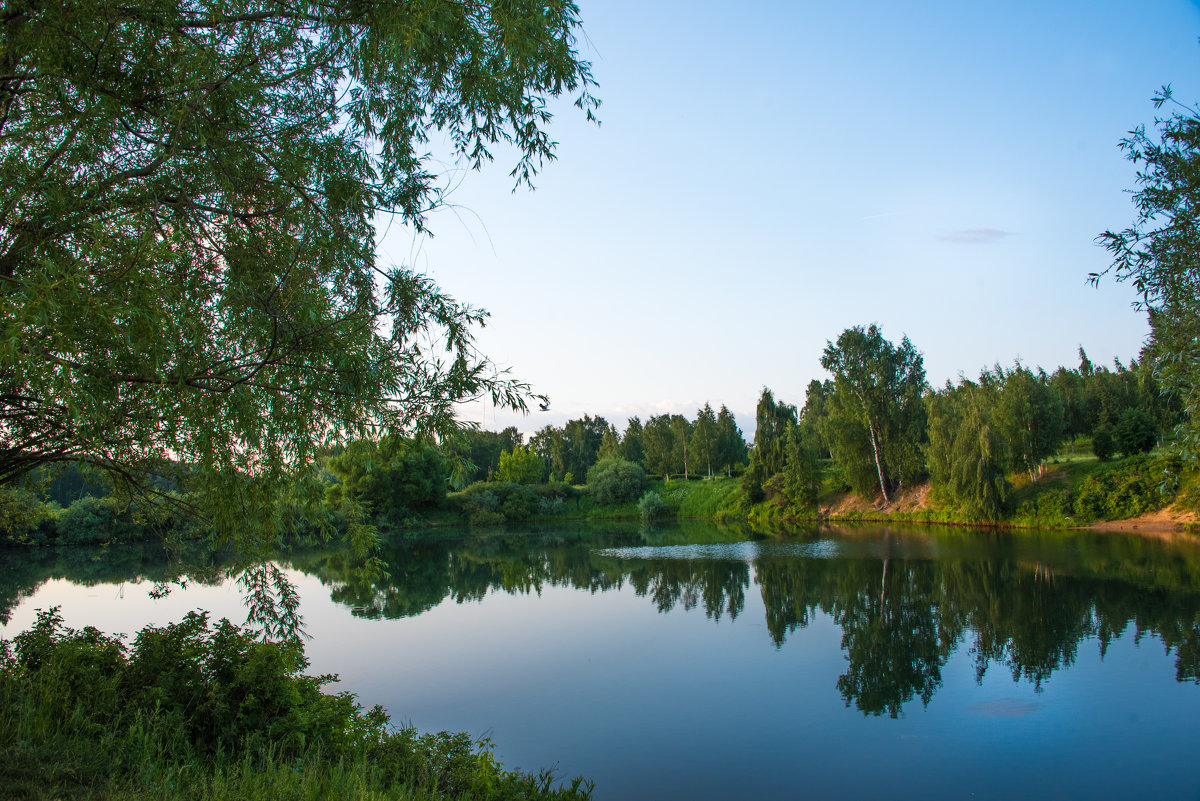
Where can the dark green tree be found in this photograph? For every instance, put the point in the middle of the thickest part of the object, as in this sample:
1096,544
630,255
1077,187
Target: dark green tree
731,446
800,480
1103,445
813,415
581,443
481,451
1029,413
773,421
631,442
966,455
658,440
610,443
393,478
549,444
1070,387
1135,432
615,480
681,435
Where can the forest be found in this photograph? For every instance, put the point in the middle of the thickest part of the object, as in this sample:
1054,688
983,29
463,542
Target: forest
875,430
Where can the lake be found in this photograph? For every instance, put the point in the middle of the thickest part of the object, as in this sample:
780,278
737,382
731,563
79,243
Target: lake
705,662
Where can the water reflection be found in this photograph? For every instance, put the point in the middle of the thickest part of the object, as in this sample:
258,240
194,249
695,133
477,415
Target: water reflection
905,600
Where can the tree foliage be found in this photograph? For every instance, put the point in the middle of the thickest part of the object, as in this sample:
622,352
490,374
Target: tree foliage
188,194
1159,253
521,466
703,445
393,478
614,480
1135,432
477,453
967,455
1029,412
774,420
877,418
731,445
658,444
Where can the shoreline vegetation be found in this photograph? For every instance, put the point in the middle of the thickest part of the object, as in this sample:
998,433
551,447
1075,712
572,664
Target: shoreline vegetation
1139,493
209,712
1017,448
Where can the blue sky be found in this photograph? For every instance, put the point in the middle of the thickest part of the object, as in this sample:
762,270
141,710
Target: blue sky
768,174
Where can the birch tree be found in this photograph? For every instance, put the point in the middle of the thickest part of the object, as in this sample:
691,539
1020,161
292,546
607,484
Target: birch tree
877,390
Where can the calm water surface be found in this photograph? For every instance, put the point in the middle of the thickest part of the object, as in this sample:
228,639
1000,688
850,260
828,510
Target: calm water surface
699,662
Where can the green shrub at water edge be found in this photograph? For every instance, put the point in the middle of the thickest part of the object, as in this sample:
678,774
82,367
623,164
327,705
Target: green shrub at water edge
195,711
1127,489
614,480
651,506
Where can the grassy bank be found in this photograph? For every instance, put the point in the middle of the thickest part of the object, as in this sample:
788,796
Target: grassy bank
199,712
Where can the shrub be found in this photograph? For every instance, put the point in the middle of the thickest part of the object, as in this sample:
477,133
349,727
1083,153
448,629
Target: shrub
752,482
1128,489
94,521
1102,443
495,502
614,480
651,505
550,507
556,489
198,711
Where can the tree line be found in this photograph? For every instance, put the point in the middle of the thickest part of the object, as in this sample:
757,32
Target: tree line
873,428
884,427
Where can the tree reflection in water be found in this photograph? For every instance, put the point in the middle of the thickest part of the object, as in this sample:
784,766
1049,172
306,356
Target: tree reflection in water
905,601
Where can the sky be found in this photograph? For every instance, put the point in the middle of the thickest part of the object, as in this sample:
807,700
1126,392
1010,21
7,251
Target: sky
768,174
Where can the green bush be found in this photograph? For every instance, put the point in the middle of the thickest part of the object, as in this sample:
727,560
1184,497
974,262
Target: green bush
195,711
550,507
1128,489
1051,509
95,521
1103,445
614,480
496,502
556,489
651,506
1135,432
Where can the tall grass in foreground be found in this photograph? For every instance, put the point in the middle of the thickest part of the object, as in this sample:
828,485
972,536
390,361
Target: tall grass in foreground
193,711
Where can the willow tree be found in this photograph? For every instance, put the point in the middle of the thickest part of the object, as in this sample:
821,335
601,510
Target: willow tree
1159,253
876,412
966,453
189,195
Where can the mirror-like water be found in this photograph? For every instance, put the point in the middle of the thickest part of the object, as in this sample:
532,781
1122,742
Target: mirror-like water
697,663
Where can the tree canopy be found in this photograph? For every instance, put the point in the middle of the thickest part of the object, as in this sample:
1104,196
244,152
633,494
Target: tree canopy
1160,254
189,194
877,418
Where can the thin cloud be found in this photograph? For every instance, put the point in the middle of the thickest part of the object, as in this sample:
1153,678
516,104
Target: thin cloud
975,236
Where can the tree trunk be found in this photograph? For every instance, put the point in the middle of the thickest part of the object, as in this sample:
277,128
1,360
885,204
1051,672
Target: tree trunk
878,464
